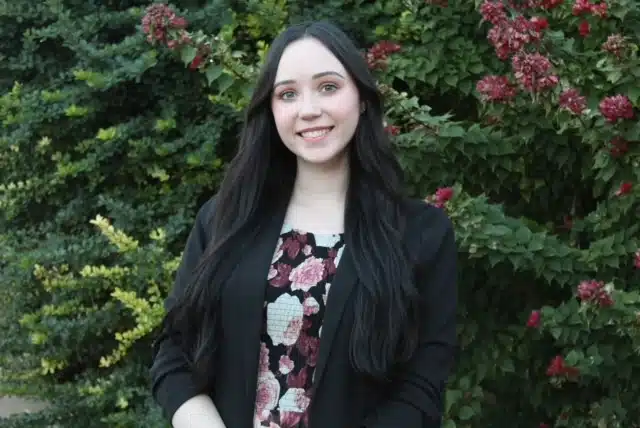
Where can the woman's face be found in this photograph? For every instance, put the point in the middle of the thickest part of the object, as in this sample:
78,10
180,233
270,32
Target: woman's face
315,103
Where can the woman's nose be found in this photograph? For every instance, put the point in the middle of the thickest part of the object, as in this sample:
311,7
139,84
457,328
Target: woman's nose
309,108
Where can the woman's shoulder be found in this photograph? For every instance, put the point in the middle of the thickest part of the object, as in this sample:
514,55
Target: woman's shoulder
205,210
203,218
428,228
422,215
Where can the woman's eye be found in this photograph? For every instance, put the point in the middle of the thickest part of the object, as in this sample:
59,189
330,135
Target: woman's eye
329,87
287,95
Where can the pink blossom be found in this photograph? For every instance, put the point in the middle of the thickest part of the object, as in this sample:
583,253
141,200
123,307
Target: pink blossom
307,274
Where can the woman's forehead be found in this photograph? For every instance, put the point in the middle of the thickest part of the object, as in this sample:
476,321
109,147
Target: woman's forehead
305,59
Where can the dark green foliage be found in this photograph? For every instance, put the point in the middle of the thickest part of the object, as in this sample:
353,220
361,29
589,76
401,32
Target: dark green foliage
98,122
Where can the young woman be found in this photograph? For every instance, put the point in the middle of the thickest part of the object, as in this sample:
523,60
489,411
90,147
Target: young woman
312,291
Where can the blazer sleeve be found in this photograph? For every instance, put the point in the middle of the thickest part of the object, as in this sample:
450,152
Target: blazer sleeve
171,377
416,399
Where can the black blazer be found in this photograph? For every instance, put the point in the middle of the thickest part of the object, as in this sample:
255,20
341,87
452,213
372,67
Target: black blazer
343,398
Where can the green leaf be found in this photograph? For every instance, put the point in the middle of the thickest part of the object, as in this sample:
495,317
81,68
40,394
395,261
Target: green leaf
466,413
224,82
476,68
452,131
449,424
556,332
614,76
187,54
212,73
497,230
451,397
466,87
523,234
634,94
451,79
507,366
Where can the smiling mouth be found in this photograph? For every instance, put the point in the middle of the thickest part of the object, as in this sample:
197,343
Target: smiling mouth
315,134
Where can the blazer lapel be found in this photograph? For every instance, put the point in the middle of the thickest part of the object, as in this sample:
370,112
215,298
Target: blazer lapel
341,287
249,282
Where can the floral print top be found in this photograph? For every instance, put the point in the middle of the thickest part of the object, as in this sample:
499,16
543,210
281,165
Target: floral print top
299,280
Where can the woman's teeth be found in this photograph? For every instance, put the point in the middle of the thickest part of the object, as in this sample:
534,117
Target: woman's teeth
315,134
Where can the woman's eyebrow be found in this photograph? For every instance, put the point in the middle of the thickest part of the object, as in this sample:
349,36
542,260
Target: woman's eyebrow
314,77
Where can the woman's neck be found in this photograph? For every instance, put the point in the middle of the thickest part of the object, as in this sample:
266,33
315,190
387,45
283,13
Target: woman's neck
321,184
319,198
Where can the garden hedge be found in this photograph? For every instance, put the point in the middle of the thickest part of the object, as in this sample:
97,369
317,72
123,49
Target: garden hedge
519,118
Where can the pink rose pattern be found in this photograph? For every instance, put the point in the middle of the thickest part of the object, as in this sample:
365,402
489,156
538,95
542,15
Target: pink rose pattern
301,272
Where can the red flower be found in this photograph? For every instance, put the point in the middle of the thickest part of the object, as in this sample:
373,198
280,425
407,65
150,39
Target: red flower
624,189
178,22
615,44
581,7
495,88
618,147
636,262
443,194
540,23
533,71
550,4
493,12
534,319
573,101
600,10
440,198
391,129
510,37
584,29
616,107
557,367
157,19
594,292
377,55
196,62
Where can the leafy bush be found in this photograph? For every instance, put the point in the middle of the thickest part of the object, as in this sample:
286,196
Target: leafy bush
520,119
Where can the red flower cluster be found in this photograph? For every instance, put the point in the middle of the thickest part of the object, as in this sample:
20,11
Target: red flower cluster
442,195
584,28
624,188
493,12
495,88
593,291
539,23
581,7
533,71
636,262
558,367
573,101
534,319
377,55
616,44
550,4
391,129
158,19
618,146
510,36
616,107
197,62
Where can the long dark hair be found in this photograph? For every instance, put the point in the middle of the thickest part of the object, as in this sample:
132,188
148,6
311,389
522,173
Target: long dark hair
386,301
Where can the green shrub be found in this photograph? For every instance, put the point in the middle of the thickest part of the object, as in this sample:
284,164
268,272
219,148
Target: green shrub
520,121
